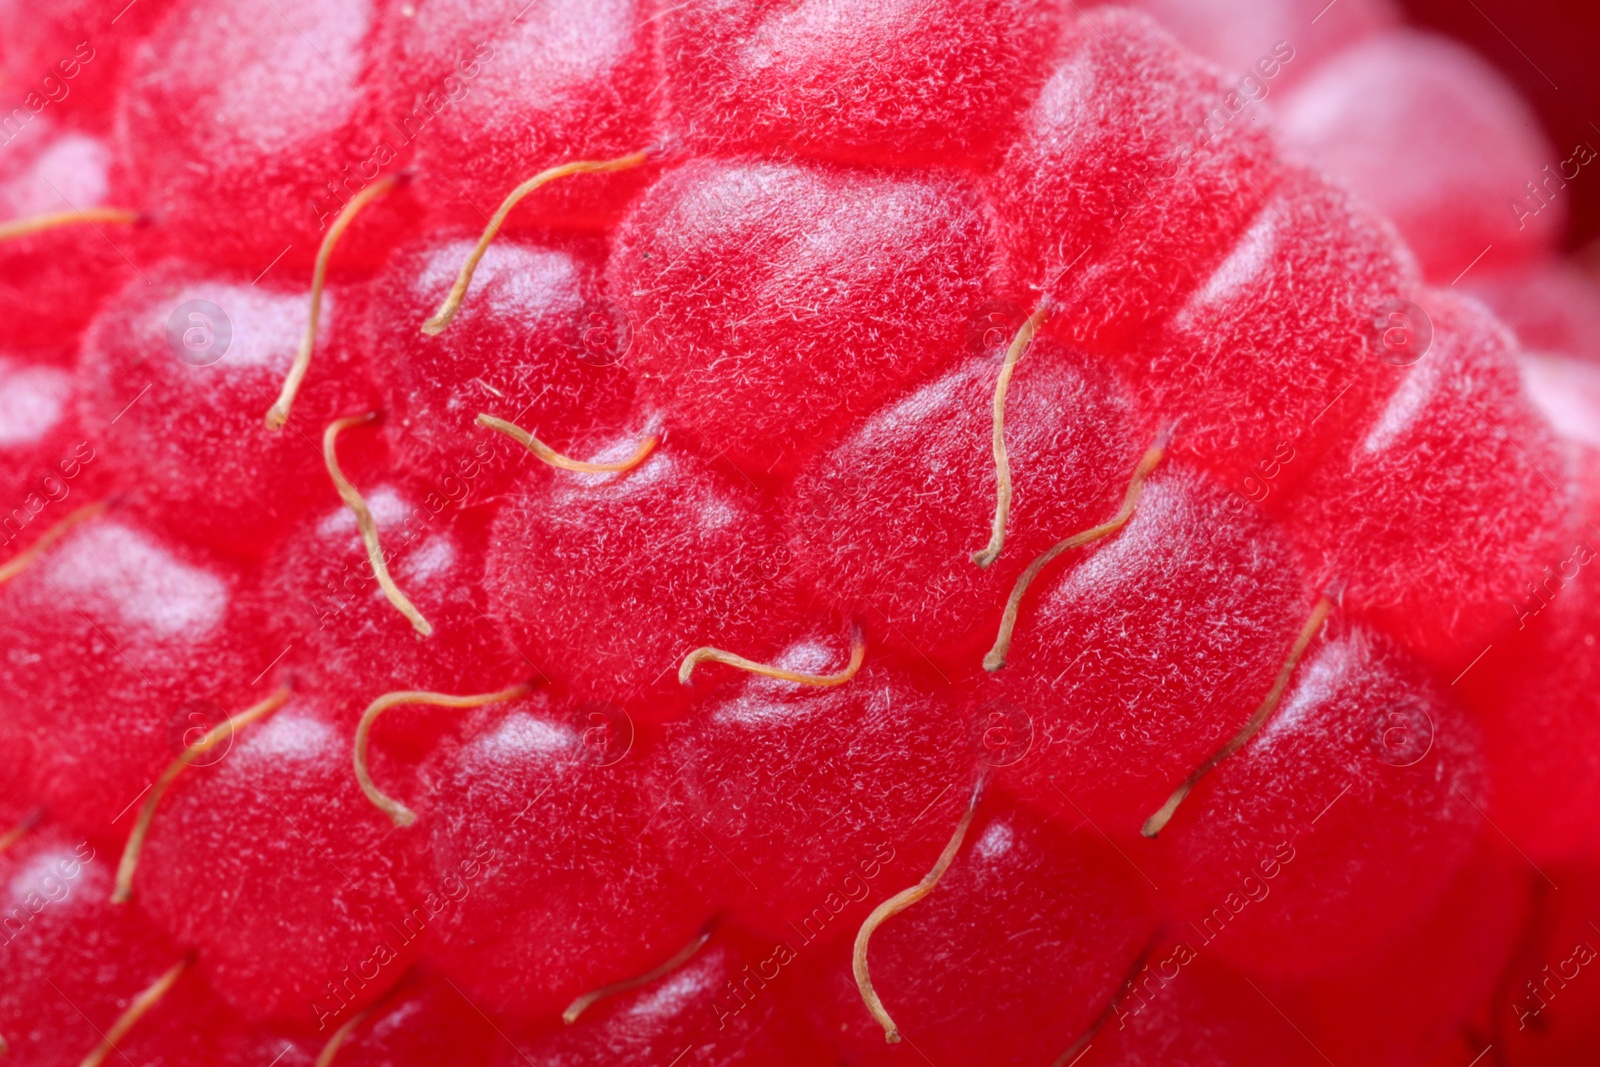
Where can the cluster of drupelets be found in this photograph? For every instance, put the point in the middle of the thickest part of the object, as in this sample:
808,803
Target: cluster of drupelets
911,521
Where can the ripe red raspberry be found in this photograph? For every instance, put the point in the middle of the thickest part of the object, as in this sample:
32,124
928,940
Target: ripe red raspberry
488,93
928,521
51,281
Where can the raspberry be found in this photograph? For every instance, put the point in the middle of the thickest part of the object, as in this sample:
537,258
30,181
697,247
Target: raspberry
1083,907
492,93
913,582
1359,720
541,308
1116,196
564,879
281,821
690,555
857,81
735,771
819,291
175,382
1125,694
1392,116
788,533
51,280
125,642
240,131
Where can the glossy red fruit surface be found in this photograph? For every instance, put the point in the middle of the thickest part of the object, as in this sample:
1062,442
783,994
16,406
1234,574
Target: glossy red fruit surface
637,720
1363,791
1183,1008
549,860
1122,660
243,130
52,281
606,581
64,60
556,370
725,1006
72,959
887,756
1123,184
1401,1001
860,82
341,636
178,376
1441,564
316,921
1393,117
47,465
818,290
1536,686
1025,941
1266,43
912,582
487,95
127,643
1260,376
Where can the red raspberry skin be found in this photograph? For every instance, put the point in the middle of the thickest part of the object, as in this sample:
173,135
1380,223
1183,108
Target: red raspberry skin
51,282
1280,41
343,637
314,922
692,1011
818,291
1115,196
193,452
1275,353
1438,142
1535,692
126,643
559,368
64,59
857,81
1185,1008
607,581
564,886
888,756
921,459
1436,515
958,979
1393,774
490,94
1552,307
1124,692
1550,1017
243,135
47,466
1403,1000
71,959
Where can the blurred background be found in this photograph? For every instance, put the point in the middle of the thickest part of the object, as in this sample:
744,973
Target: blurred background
1549,50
